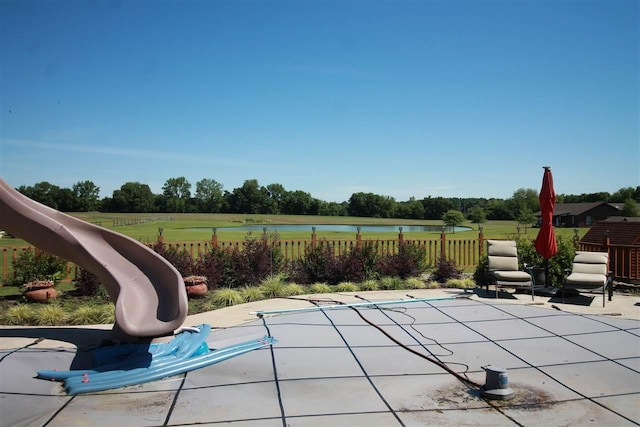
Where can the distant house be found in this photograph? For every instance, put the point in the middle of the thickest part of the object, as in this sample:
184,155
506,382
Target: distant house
623,245
582,214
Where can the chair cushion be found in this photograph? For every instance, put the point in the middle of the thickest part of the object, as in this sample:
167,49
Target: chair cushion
503,263
588,269
591,257
586,280
512,276
502,248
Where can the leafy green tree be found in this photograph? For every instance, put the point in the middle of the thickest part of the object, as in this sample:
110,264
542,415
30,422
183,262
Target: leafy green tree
584,197
452,218
371,205
523,199
65,200
477,215
299,203
277,195
435,207
497,210
133,197
42,192
624,194
410,209
177,192
250,198
87,195
209,195
630,209
333,208
526,218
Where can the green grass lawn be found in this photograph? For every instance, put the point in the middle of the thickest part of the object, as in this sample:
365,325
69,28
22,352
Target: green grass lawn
180,229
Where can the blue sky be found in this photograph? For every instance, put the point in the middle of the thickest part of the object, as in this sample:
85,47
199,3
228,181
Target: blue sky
460,98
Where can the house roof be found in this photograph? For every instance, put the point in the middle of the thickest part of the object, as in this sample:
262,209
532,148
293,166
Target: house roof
572,209
622,231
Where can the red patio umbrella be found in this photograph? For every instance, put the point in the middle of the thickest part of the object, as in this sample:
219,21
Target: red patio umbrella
545,243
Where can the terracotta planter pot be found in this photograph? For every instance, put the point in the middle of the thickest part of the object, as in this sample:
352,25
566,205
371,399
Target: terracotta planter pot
41,295
197,290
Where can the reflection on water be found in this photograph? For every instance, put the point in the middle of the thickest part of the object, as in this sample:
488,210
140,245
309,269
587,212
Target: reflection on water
341,228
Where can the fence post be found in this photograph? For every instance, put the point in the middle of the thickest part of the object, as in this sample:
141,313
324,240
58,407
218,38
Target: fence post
4,265
480,241
400,237
214,238
160,237
443,240
606,242
358,238
313,237
576,239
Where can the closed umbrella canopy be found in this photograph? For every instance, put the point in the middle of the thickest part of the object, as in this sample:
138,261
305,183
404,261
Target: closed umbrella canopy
545,243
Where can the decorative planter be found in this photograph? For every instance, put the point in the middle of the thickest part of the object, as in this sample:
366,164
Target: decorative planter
196,285
41,295
197,290
40,290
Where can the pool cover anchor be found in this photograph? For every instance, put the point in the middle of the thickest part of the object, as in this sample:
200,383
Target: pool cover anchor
496,386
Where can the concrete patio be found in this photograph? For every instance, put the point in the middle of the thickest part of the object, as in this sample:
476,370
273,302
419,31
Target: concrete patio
568,364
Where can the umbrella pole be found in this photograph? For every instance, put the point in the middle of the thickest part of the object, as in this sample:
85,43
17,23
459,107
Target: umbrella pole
546,272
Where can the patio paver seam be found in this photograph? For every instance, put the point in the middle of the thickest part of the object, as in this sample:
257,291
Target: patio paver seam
564,337
366,375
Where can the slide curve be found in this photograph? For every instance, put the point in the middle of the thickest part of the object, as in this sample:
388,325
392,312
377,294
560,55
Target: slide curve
148,292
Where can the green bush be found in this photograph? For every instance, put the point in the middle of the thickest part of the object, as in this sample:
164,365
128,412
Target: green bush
33,265
391,283
91,314
273,286
369,285
51,314
463,283
347,287
227,297
19,314
252,293
320,288
415,283
527,254
291,289
432,284
562,260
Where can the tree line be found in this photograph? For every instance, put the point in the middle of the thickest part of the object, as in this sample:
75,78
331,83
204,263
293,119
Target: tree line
209,196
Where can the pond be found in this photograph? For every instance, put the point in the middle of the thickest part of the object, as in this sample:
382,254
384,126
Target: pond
339,228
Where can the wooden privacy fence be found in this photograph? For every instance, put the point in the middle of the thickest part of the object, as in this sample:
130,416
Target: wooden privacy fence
465,252
625,260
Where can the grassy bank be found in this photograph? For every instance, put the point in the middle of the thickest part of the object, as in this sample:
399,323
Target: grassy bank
181,229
